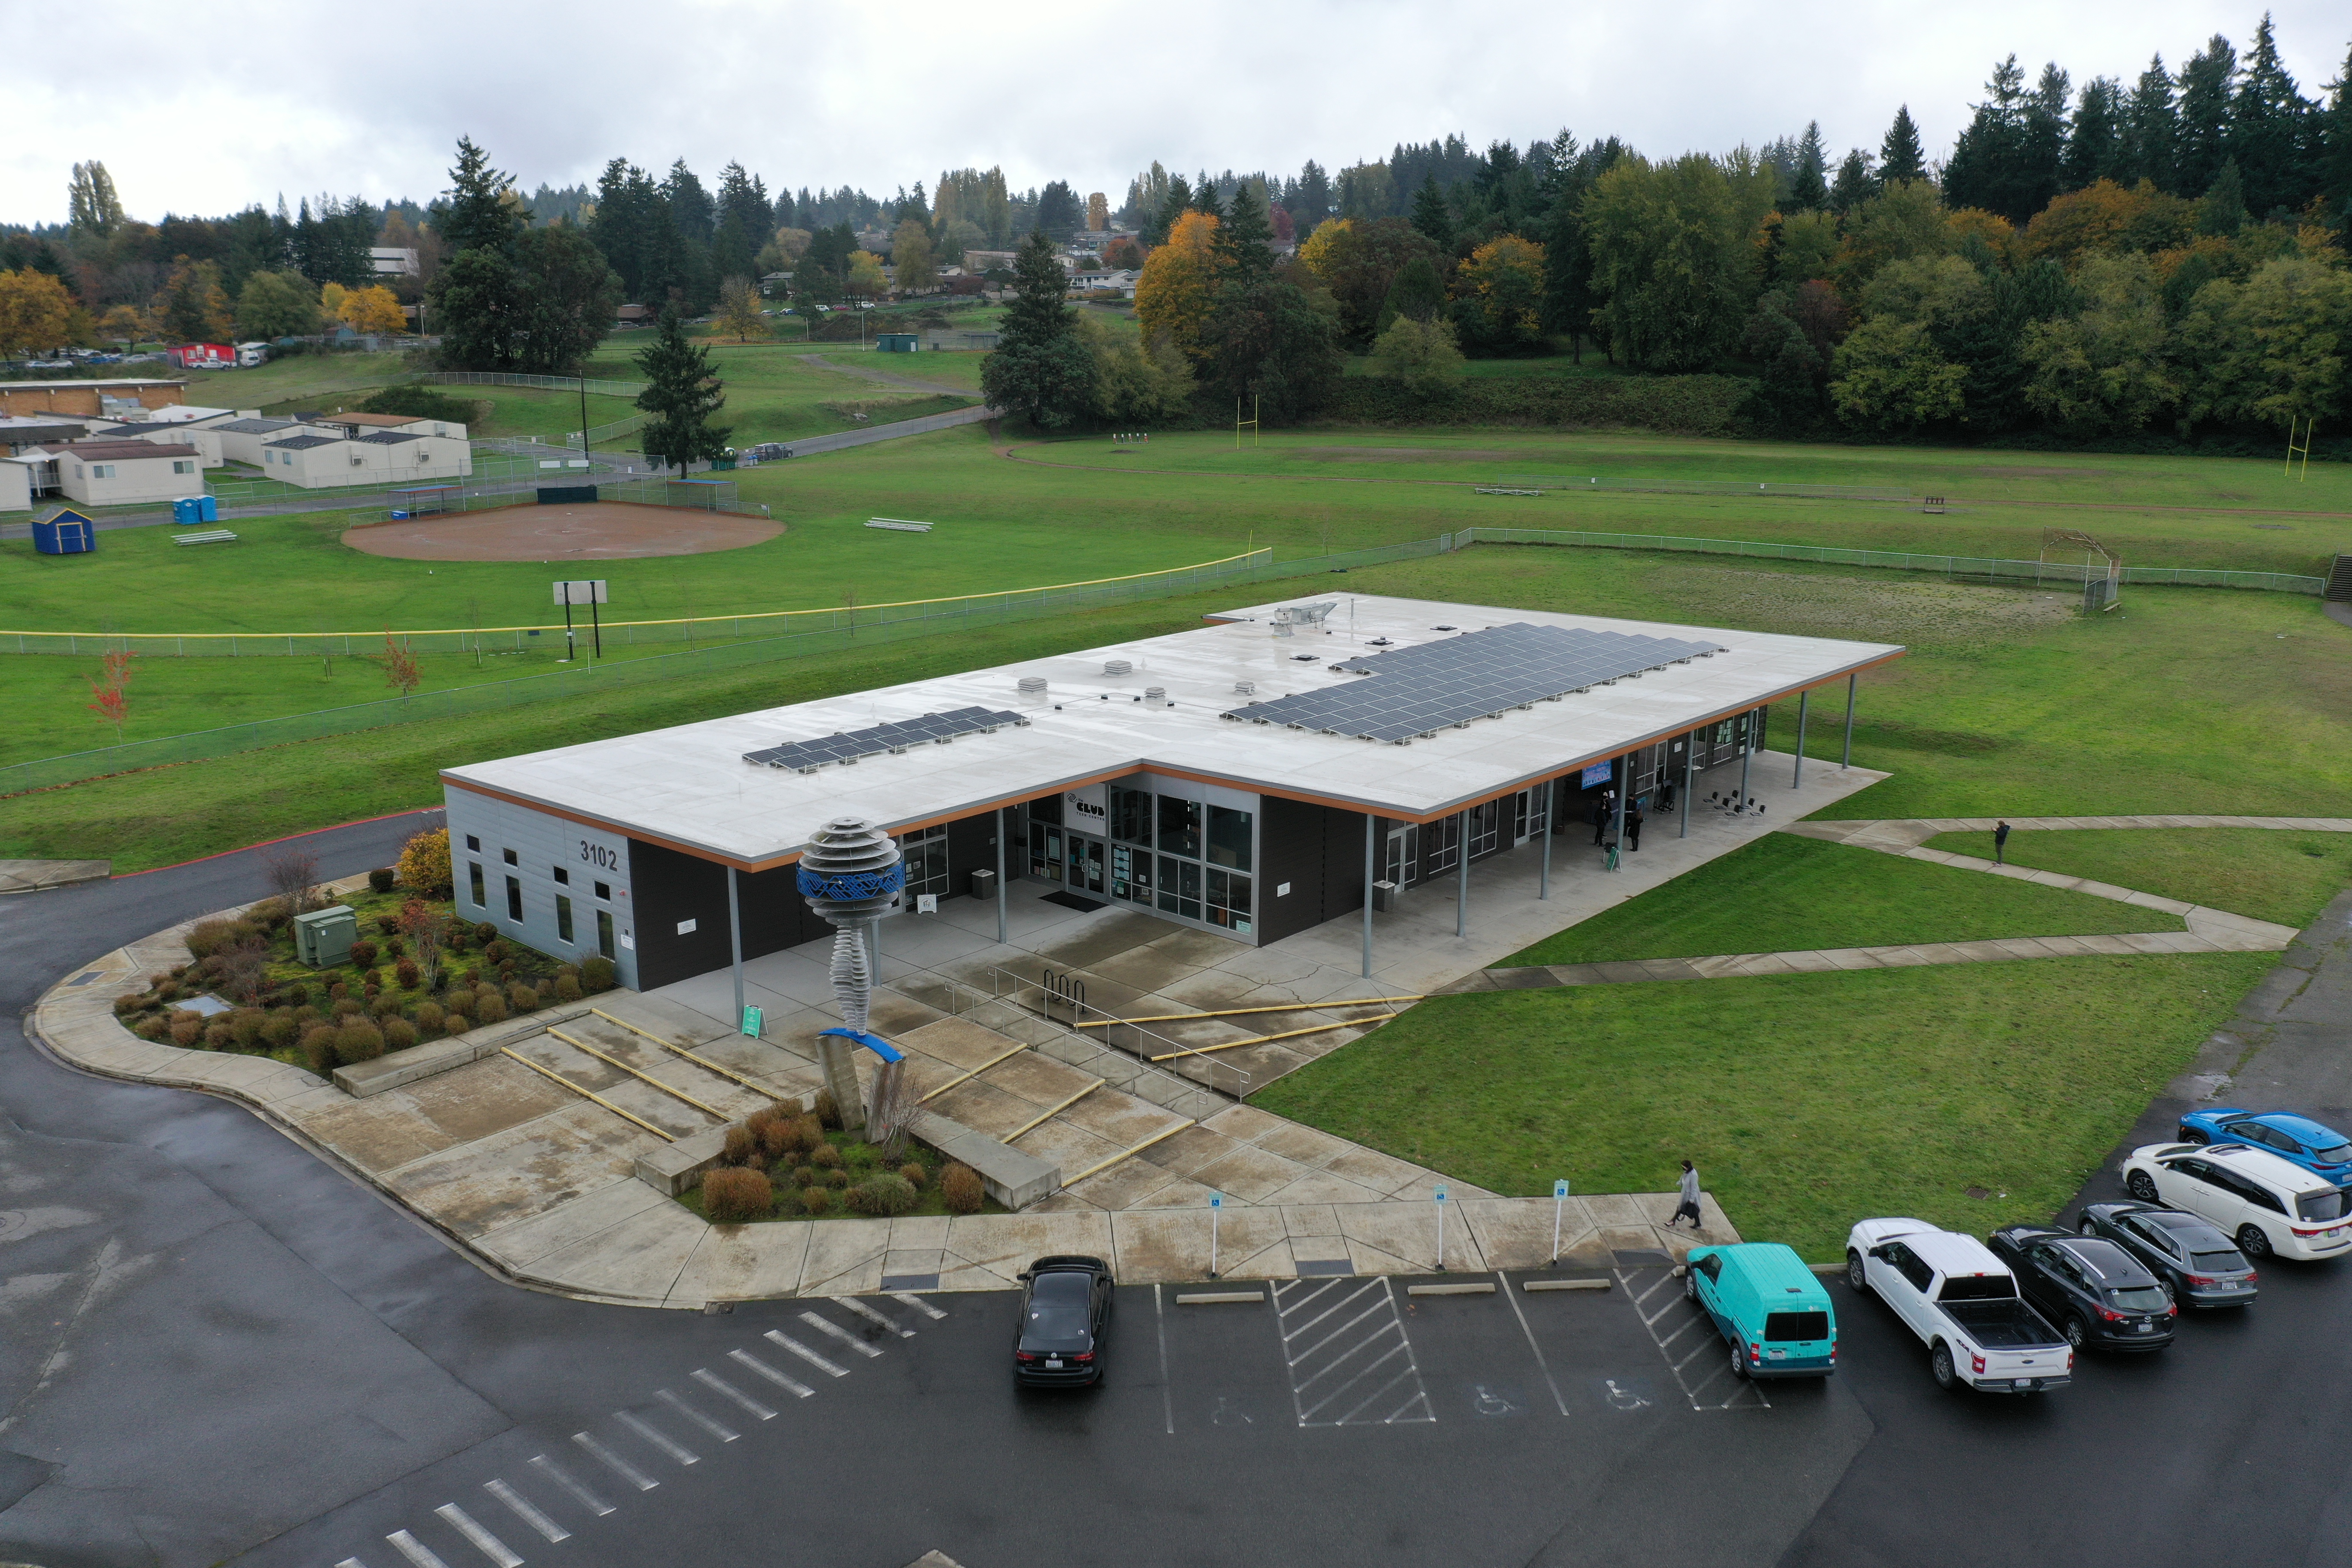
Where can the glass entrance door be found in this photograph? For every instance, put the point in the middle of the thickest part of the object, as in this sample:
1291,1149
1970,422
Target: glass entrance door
1532,814
1044,851
1084,862
1403,863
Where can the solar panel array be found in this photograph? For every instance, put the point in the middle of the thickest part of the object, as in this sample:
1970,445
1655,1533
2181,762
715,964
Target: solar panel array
1412,692
847,746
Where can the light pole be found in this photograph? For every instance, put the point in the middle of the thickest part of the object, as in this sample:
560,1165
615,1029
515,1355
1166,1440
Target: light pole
853,875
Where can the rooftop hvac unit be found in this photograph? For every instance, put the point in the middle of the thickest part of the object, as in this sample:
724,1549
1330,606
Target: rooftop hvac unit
1292,615
1033,686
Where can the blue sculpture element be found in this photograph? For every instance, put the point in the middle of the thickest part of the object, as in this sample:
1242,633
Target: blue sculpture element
875,1043
848,887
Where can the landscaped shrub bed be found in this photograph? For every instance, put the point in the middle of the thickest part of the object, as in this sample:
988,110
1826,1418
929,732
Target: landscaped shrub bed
417,972
789,1161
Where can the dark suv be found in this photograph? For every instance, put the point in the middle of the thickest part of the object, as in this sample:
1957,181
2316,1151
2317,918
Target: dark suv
2204,1266
2098,1293
1065,1304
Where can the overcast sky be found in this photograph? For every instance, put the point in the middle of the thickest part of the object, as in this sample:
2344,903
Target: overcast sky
235,102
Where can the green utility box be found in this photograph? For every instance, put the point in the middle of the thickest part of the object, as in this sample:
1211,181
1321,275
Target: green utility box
323,938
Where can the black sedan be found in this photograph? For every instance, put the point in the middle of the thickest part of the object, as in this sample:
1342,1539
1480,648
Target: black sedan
2204,1267
2095,1293
1065,1305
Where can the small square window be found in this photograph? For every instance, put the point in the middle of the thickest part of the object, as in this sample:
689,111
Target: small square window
473,843
604,891
563,876
511,857
182,466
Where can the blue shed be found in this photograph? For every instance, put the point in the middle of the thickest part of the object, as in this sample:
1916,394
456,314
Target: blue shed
65,532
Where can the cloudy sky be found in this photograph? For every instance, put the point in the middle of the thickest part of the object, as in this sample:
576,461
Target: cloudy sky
235,102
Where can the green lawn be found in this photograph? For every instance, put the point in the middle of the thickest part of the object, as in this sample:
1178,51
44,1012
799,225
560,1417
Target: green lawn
2268,874
1808,1101
1787,894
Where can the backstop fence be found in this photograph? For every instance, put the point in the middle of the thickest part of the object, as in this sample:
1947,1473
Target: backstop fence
556,382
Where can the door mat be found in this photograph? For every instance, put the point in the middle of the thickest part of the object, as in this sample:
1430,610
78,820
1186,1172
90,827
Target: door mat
1084,905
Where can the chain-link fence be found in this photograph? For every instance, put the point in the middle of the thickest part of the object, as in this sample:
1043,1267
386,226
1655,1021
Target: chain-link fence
558,382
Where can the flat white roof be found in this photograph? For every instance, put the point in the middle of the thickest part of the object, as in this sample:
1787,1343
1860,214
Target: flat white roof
690,788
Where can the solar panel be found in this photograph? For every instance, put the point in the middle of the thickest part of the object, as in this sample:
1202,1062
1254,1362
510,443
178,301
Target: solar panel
1413,692
847,746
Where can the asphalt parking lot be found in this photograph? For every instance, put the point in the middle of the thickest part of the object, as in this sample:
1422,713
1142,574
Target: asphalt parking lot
214,1347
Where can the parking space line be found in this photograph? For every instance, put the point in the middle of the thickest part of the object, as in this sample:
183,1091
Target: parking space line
797,1390
523,1510
910,1298
1512,1296
488,1546
658,1438
1349,1364
415,1551
827,1326
1372,1311
1167,1394
619,1466
351,1563
561,1477
807,1354
715,1430
871,1316
726,1390
1744,1394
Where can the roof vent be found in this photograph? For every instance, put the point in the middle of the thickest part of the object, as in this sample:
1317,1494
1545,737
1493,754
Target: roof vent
1244,688
1117,667
1033,686
1155,696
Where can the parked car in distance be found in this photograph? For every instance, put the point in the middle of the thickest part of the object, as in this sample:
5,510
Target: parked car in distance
2095,1293
1962,1302
1065,1306
2313,1145
2204,1267
2265,1203
1768,1306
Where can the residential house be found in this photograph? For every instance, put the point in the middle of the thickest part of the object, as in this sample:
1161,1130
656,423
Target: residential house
392,261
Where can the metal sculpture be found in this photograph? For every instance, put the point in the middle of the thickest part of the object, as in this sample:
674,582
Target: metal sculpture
852,876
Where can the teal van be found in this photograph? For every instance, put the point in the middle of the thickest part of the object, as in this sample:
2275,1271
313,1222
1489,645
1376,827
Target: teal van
1769,1307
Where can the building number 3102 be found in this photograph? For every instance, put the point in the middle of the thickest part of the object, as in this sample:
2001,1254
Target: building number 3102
598,855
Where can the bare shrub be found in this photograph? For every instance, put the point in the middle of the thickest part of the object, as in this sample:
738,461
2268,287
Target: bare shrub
735,1196
293,874
960,1185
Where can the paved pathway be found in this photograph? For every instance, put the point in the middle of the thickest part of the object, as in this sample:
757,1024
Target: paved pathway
31,875
2210,929
835,442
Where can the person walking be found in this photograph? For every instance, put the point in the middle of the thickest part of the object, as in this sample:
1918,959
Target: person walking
1603,810
1689,1205
1633,826
2000,843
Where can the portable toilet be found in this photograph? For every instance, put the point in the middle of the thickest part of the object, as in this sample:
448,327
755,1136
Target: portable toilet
207,508
186,510
323,938
65,532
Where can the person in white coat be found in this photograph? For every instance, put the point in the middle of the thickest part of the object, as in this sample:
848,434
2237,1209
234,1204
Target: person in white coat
1689,1203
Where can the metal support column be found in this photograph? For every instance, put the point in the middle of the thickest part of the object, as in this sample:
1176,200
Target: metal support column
1552,804
1797,774
1747,755
1690,754
1368,895
734,928
1462,874
999,876
1851,682
1625,766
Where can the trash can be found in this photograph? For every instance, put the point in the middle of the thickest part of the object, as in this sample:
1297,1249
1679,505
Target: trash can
323,938
983,885
1385,897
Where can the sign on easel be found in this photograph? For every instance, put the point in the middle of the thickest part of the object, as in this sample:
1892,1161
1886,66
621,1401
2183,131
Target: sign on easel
754,1020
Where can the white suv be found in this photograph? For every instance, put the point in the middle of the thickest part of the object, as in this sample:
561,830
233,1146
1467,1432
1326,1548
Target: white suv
2268,1203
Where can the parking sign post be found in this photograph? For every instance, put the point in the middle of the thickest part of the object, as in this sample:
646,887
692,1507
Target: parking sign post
1441,1227
1216,1202
1558,1201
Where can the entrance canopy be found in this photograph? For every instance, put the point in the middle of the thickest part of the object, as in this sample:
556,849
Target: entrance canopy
1468,703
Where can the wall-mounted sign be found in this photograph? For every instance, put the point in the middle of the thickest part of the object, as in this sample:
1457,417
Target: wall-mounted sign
1598,774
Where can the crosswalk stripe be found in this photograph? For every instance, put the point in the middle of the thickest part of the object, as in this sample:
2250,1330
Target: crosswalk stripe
619,1466
827,1326
798,1390
522,1509
726,1390
658,1438
807,1354
721,1432
562,1477
851,1304
911,1299
488,1546
415,1551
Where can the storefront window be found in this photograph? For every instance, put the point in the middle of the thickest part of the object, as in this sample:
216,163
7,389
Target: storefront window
1229,837
926,852
1229,901
1130,815
1179,886
1180,827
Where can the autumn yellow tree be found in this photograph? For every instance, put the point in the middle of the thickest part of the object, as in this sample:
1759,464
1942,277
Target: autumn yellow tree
739,309
125,324
864,279
914,259
35,313
1499,295
331,299
374,308
1173,298
1317,251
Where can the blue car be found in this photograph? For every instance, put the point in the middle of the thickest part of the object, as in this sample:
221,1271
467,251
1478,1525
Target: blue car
2321,1149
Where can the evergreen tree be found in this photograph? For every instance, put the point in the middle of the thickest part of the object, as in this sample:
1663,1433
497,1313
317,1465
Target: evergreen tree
2222,208
2151,132
2332,167
2041,150
1179,203
477,216
682,392
1990,153
474,304
2207,85
565,299
2268,129
1430,216
1245,240
1855,184
1418,294
2094,146
1058,211
1040,370
690,206
1204,199
1809,188
1899,156
1310,202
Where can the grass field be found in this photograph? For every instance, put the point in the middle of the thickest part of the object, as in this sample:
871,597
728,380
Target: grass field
2268,874
1807,1101
1787,894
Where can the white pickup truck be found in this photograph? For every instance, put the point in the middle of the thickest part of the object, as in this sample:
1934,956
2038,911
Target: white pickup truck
1963,1304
